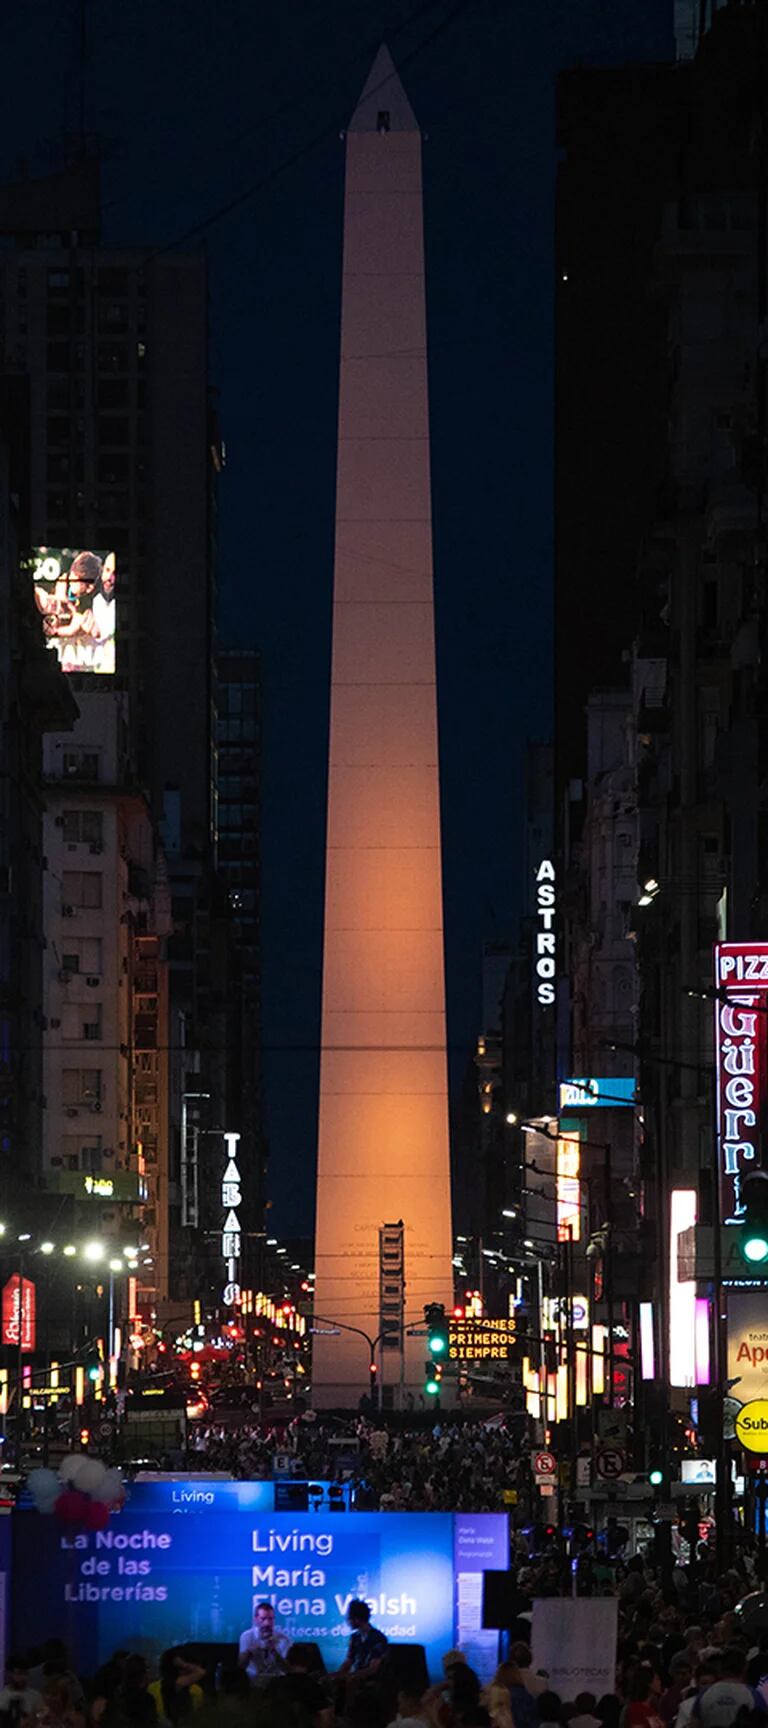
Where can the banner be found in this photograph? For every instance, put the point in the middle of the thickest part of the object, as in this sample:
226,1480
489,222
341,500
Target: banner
574,1643
153,1579
748,1344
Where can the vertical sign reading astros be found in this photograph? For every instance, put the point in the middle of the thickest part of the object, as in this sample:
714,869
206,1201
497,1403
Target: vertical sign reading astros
741,1036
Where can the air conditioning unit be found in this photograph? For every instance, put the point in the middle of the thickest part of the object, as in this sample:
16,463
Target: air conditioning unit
67,911
91,1029
65,974
72,1111
71,845
56,1163
93,981
96,847
96,1107
54,1022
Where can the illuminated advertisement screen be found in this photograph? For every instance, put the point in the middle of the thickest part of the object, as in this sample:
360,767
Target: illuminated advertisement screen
168,1571
75,596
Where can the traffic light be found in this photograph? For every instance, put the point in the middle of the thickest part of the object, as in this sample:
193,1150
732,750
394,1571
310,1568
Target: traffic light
754,1239
657,1473
437,1329
432,1380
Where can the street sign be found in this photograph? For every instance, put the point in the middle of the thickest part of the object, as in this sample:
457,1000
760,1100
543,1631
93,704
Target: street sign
610,1463
544,1466
752,1426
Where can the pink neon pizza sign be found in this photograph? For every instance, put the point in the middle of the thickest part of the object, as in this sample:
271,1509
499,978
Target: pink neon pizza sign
741,1058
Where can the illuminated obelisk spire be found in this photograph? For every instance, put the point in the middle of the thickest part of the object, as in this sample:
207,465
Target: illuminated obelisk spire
383,1151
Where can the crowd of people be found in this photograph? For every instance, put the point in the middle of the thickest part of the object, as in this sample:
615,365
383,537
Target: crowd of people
671,1671
457,1467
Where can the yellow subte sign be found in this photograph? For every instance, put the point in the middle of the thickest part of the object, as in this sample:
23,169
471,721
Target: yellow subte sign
752,1426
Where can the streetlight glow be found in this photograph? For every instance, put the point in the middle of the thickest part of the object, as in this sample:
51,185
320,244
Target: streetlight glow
93,1251
69,1250
46,1247
116,1266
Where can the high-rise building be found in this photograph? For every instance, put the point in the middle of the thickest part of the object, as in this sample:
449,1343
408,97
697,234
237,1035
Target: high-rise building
383,1157
124,453
238,733
105,991
34,694
123,456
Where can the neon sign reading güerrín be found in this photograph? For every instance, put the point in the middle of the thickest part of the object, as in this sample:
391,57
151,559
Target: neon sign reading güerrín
741,981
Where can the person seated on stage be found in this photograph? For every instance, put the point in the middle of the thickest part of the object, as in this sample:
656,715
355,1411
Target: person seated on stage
263,1650
367,1646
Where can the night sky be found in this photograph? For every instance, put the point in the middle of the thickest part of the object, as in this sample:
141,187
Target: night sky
209,106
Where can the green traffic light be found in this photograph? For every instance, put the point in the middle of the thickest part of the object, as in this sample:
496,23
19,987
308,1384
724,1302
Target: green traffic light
437,1343
755,1249
432,1387
656,1478
93,1373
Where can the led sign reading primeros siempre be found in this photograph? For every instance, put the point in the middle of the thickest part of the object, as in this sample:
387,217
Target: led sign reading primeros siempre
545,933
741,982
231,1200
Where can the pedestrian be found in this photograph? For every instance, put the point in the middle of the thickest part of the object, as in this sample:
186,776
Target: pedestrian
263,1648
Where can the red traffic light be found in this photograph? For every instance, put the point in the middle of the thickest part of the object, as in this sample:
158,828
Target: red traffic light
458,1313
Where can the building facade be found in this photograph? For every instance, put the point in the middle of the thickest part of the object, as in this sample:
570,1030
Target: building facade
105,993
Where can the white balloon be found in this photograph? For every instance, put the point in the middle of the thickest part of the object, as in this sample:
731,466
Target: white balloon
91,1476
111,1488
70,1467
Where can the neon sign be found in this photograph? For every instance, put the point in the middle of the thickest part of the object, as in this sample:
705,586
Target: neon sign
231,1200
741,1016
545,933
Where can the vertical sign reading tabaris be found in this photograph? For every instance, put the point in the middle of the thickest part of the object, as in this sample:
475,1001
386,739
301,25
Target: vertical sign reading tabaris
741,1029
231,1199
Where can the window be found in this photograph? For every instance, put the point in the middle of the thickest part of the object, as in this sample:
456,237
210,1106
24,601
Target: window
82,1156
81,764
382,120
83,955
81,888
81,1086
81,1021
84,827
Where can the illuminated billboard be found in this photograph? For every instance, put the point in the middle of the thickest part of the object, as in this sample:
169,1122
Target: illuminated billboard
741,1049
191,1559
568,1187
75,595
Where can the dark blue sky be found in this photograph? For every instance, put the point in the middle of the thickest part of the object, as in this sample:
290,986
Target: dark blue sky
198,103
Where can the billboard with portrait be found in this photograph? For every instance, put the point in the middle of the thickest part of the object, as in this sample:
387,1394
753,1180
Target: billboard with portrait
191,1563
75,596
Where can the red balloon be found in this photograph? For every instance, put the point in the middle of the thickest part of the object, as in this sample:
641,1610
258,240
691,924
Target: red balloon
69,1507
98,1516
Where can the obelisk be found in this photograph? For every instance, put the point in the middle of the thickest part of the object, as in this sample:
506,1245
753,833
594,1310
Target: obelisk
383,1152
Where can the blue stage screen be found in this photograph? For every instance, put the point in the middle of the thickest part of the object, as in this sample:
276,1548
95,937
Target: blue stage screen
160,1577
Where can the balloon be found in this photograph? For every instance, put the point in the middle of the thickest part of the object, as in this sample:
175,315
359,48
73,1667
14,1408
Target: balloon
96,1516
90,1475
71,1507
112,1491
70,1467
45,1488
